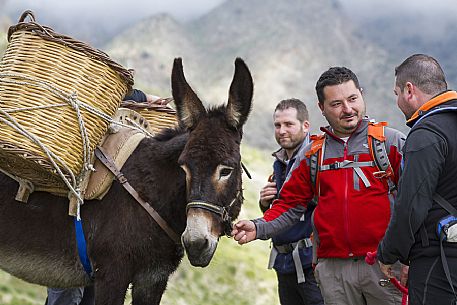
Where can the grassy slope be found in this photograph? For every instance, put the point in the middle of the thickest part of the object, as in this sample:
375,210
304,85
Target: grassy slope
236,275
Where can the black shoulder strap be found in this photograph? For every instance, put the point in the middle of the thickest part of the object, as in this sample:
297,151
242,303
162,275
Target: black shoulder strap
445,204
451,210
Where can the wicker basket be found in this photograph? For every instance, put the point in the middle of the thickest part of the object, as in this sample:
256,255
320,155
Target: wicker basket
56,97
158,116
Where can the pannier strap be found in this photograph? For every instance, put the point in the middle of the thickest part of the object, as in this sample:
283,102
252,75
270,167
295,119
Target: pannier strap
109,163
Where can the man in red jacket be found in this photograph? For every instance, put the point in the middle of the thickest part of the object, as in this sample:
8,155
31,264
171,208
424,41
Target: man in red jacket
354,202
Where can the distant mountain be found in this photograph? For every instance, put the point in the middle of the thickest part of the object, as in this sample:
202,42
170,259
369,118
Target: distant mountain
287,45
403,35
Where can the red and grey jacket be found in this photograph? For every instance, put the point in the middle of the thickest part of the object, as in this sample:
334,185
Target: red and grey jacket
354,205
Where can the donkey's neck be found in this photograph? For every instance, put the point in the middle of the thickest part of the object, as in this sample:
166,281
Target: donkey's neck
154,172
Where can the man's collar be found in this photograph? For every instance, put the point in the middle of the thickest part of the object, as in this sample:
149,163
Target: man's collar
436,101
281,153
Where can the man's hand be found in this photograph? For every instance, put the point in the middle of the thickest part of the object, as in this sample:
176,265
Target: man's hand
268,193
404,275
386,269
244,231
157,100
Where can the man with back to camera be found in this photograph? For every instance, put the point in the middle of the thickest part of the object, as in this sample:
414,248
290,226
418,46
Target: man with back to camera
352,192
291,254
427,192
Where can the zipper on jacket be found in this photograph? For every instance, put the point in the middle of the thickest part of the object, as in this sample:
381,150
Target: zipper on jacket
346,203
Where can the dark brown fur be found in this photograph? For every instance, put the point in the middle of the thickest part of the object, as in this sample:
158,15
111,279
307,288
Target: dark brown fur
37,239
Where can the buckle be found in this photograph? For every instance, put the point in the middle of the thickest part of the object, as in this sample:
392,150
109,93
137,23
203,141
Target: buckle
380,174
121,178
335,165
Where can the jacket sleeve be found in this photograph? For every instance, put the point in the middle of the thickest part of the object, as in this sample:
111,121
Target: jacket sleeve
424,158
290,206
136,95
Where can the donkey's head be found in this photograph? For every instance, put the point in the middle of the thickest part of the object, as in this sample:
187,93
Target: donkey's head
211,160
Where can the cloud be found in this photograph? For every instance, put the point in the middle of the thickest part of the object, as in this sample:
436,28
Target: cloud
115,10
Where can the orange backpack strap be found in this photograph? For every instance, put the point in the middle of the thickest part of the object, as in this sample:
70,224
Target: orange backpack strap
378,151
315,159
316,144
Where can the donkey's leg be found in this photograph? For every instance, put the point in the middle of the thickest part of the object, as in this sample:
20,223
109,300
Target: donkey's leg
110,287
148,288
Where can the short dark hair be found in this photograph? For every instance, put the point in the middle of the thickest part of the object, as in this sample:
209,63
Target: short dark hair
334,76
302,111
423,71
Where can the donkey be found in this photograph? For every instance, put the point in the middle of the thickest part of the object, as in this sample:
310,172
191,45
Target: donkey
190,175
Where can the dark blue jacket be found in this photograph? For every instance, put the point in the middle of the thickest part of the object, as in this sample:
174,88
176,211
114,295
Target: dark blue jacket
284,263
136,95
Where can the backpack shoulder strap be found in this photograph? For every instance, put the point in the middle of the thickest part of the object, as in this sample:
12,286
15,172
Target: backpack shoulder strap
315,159
378,150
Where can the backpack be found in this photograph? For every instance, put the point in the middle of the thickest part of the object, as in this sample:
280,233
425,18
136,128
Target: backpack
378,152
447,232
446,227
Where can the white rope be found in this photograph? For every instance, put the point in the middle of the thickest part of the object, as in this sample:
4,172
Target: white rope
138,126
65,96
10,121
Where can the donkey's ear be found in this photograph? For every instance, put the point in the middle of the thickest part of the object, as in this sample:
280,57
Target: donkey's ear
188,105
240,95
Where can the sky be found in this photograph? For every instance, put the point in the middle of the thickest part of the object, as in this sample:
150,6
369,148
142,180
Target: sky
188,9
124,12
118,9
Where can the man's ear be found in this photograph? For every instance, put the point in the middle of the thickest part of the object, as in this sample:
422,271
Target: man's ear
409,88
306,125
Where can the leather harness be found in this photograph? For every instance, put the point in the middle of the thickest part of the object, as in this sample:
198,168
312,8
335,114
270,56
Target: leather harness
109,163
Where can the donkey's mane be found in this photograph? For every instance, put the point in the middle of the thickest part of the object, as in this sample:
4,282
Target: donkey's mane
169,133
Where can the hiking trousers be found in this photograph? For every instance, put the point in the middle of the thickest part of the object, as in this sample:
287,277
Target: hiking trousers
293,293
427,282
353,282
71,296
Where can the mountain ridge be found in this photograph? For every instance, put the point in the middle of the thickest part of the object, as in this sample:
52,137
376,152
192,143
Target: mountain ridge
286,45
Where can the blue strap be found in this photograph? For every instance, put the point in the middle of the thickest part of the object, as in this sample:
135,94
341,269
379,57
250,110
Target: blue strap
82,249
437,110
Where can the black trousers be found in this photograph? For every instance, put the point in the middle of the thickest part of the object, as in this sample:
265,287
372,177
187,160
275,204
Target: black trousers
293,293
428,284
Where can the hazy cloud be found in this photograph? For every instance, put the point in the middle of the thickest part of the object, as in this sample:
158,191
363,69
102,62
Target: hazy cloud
115,10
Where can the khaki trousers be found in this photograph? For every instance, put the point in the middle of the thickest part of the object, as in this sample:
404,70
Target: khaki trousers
353,282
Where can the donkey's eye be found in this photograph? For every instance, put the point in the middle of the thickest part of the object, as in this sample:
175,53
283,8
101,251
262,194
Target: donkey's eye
224,172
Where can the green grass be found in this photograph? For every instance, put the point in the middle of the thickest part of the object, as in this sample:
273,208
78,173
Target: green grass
236,275
14,291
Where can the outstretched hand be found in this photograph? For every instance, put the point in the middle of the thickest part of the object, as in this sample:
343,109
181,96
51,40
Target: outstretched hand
244,231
